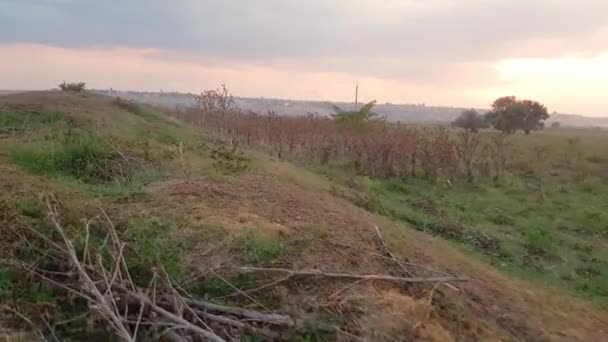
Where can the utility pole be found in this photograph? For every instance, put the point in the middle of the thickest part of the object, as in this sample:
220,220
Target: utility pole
356,95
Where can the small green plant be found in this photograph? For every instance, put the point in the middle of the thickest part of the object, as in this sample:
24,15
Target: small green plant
151,244
167,139
218,287
231,161
7,283
73,87
30,207
10,120
262,250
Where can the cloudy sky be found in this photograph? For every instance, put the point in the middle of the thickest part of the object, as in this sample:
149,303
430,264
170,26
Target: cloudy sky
439,52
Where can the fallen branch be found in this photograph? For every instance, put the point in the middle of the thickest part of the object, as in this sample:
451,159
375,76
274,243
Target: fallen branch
102,302
252,315
318,273
390,254
377,255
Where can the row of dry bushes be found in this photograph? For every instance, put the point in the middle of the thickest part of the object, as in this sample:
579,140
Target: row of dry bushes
375,148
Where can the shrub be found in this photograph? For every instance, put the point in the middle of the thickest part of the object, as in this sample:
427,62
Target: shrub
75,86
230,160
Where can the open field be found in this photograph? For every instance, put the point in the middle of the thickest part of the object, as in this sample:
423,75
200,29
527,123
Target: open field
197,196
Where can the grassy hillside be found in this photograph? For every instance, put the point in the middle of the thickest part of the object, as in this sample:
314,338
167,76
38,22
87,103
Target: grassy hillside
188,211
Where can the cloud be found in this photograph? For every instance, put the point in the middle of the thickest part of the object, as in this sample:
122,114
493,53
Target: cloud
128,68
438,51
382,38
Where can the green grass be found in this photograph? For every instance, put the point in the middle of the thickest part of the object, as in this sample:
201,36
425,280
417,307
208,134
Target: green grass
261,250
18,120
85,158
7,284
557,237
152,243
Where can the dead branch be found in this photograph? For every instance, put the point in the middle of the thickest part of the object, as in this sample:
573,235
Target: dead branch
101,301
318,273
390,254
377,255
251,315
174,318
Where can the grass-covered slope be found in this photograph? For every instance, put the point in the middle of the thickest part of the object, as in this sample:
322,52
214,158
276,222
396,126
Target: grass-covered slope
192,211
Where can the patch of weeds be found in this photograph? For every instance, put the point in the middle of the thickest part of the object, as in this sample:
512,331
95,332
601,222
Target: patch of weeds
591,186
30,207
11,121
501,219
151,243
85,158
133,187
15,121
365,199
167,139
7,284
217,287
538,242
230,160
129,106
427,206
141,111
583,247
259,249
12,288
40,294
588,272
370,202
315,332
595,159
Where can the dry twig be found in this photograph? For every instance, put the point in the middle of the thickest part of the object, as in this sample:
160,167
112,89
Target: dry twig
318,273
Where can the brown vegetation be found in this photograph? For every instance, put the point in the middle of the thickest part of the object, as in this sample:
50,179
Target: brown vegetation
374,148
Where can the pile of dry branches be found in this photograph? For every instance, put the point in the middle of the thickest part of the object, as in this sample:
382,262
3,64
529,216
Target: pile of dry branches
164,310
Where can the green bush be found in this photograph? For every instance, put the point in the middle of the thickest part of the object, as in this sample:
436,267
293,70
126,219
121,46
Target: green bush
75,86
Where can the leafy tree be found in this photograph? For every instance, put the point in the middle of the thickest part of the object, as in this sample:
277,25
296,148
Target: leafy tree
364,114
470,120
509,114
555,124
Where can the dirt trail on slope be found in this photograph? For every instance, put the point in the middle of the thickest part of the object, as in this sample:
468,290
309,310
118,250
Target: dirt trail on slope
491,306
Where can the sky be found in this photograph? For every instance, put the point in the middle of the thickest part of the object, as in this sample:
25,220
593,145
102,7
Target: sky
438,52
